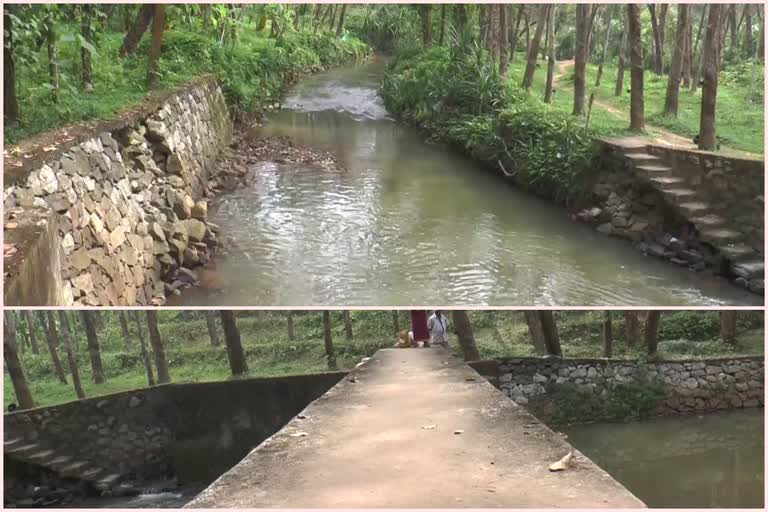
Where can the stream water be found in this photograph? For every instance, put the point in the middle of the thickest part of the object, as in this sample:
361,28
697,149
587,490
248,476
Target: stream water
406,222
710,461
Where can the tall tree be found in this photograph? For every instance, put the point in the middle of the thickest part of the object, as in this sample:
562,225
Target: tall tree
425,12
94,352
11,112
347,324
87,47
161,363
289,318
13,364
631,328
71,359
536,331
543,330
53,343
671,101
658,47
465,335
441,37
652,331
137,29
144,352
687,57
607,334
53,65
329,352
604,49
728,327
636,109
697,60
533,51
504,38
707,132
213,334
124,329
235,352
749,49
158,27
580,58
516,31
550,54
340,26
31,331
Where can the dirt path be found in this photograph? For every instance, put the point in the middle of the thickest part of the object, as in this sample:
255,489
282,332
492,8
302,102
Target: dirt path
414,428
654,133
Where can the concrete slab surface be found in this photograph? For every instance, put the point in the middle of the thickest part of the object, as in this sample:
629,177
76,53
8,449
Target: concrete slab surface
414,428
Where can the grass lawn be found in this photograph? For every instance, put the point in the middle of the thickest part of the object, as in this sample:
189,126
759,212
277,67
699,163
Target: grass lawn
269,352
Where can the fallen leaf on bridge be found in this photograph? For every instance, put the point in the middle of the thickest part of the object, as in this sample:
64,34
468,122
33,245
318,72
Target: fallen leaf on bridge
564,463
429,427
298,434
458,432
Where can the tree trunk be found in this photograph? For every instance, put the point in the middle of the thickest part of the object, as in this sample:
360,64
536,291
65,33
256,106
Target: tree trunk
622,60
551,336
71,359
11,355
728,327
144,352
94,351
687,57
607,335
31,330
340,26
396,322
329,353
658,59
465,335
637,109
550,54
631,328
347,324
235,352
504,41
707,132
673,84
11,113
696,63
761,36
124,329
291,335
53,342
536,331
580,59
53,66
161,363
425,11
748,47
604,52
663,9
210,321
734,28
516,31
158,27
85,54
140,25
533,51
441,37
652,331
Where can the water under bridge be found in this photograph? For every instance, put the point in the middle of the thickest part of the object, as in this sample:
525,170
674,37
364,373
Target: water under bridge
414,428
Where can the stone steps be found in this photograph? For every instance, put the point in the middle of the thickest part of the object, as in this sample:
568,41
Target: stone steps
667,183
720,236
694,207
710,220
737,252
749,269
652,170
679,195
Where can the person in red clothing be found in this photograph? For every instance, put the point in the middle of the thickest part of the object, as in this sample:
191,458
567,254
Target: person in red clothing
419,327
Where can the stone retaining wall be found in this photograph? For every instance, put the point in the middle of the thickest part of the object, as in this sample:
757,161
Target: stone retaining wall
124,207
688,386
733,186
200,429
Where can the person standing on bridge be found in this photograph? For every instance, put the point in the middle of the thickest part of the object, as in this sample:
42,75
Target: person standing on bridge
438,329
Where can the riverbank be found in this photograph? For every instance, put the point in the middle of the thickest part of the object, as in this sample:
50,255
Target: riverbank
657,198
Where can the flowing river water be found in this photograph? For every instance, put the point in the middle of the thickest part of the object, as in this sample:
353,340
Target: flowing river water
710,461
407,222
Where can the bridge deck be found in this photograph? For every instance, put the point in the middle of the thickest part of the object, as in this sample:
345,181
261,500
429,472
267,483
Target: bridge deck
366,446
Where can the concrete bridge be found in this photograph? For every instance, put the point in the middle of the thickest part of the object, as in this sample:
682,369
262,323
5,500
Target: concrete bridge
414,428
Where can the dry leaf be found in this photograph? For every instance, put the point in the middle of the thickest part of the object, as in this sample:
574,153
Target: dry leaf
301,417
563,463
458,432
429,427
48,149
298,434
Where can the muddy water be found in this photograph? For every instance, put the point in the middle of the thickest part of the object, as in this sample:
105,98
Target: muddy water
406,222
715,460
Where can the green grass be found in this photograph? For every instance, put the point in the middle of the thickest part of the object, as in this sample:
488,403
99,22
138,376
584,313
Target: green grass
740,115
269,352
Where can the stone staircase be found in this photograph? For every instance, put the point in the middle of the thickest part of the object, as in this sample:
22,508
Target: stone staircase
65,464
744,261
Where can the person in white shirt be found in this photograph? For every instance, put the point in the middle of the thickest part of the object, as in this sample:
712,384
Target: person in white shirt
438,329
